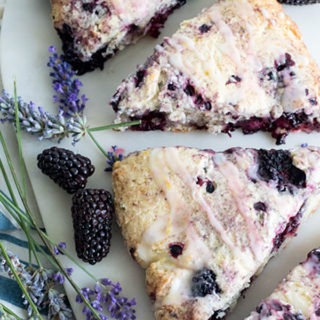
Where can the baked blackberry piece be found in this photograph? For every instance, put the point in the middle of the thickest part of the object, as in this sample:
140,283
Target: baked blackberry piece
92,31
239,64
297,296
203,224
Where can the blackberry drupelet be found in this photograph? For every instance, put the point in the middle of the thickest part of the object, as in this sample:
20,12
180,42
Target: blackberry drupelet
278,166
204,283
69,170
92,213
299,2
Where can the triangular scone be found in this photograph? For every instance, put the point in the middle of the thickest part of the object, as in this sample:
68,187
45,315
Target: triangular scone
239,64
203,224
297,297
93,31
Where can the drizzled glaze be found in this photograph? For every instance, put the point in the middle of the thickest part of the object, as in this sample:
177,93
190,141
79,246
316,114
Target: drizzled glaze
179,220
178,184
244,40
176,208
231,174
137,8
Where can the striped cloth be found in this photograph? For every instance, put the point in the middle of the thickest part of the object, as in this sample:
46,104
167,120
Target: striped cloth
10,293
15,242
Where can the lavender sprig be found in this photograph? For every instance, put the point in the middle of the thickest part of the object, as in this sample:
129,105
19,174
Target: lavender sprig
106,295
69,122
39,287
114,154
36,121
66,85
57,308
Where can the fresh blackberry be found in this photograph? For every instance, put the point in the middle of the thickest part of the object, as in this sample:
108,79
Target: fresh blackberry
92,212
299,2
69,170
204,283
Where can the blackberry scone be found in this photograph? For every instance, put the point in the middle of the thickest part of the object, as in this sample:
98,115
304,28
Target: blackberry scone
92,31
239,64
204,223
297,296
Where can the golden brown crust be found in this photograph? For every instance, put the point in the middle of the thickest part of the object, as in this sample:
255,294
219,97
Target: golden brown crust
56,12
146,200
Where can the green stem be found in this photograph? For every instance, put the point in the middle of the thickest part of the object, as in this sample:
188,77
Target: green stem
41,249
7,181
18,280
115,126
20,219
10,164
9,312
17,213
63,271
108,127
70,257
18,134
23,175
17,185
9,209
31,243
96,143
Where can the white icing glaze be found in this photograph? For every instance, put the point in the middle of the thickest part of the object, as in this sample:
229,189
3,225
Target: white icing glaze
135,10
229,45
236,186
179,290
176,223
178,167
165,163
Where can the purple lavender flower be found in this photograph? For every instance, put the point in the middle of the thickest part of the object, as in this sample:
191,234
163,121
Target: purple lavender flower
58,249
69,271
105,296
114,154
39,283
66,86
36,121
58,277
57,306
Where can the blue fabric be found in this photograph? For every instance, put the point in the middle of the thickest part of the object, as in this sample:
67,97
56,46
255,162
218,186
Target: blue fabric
10,292
14,240
5,223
